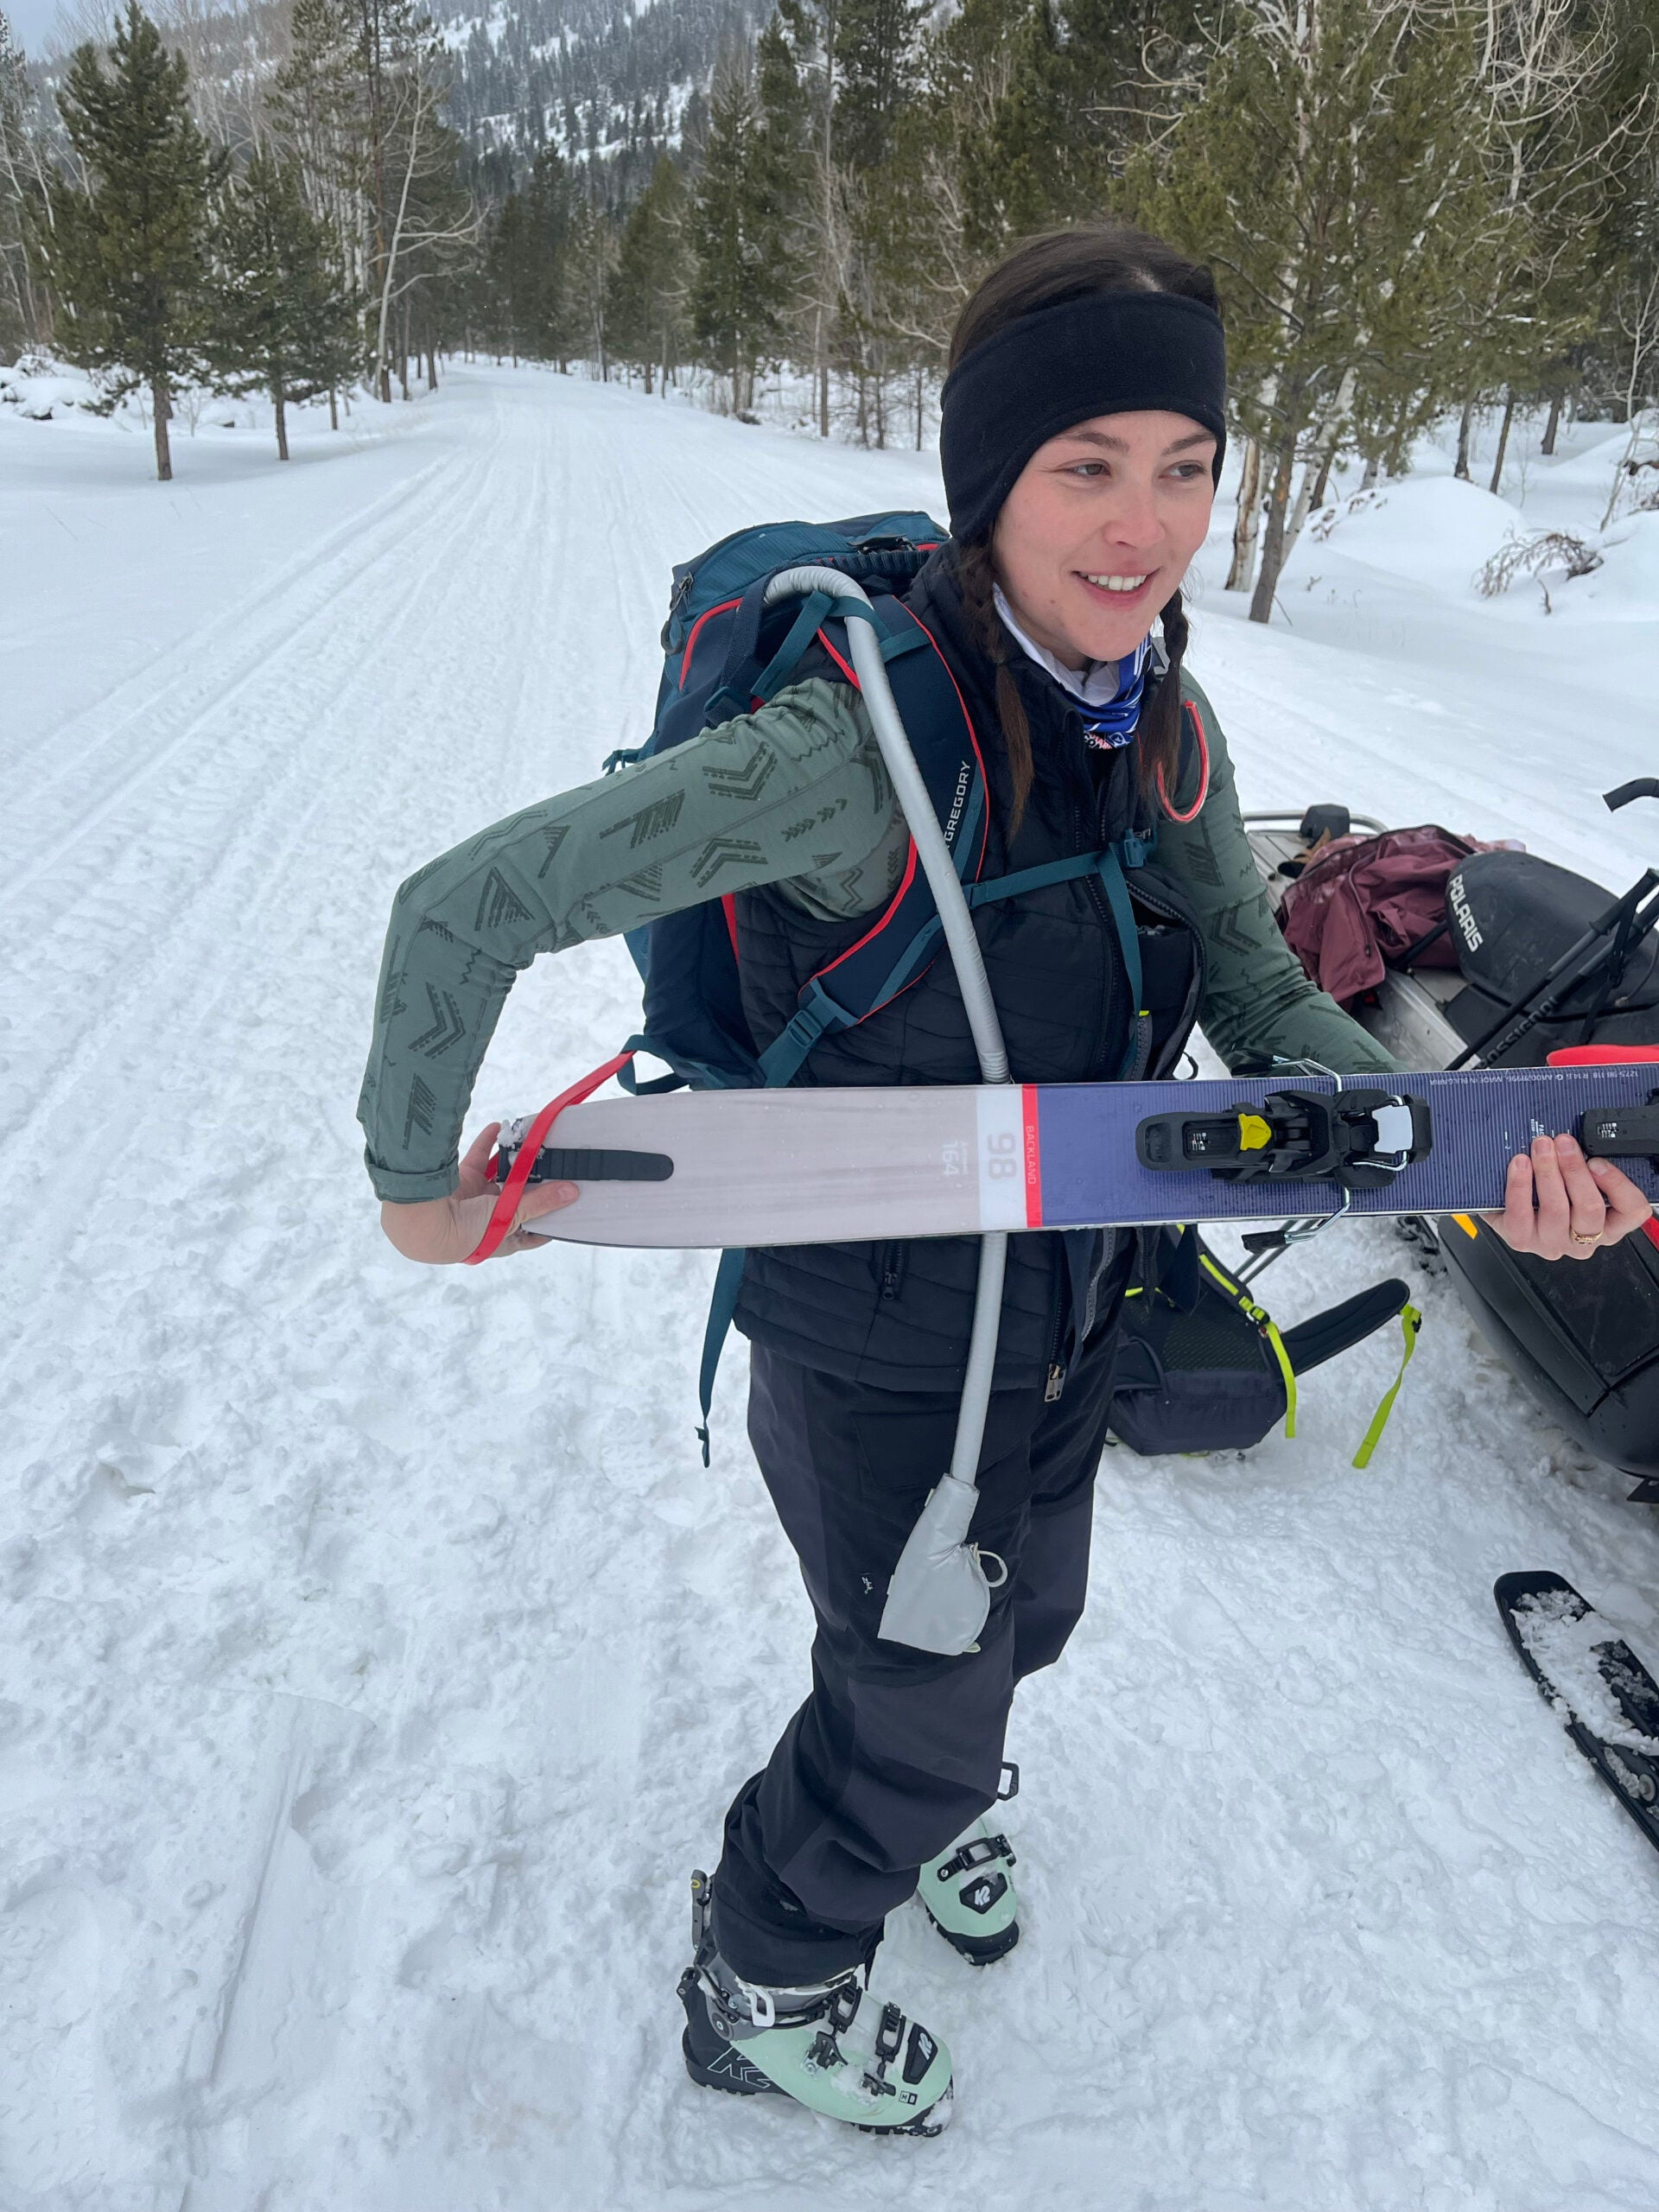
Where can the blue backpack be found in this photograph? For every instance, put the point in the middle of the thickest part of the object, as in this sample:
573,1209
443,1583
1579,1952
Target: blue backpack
727,655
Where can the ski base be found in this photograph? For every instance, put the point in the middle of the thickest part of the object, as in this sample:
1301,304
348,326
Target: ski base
1600,1690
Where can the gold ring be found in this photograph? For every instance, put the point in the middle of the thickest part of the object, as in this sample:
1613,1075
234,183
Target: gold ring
1578,1239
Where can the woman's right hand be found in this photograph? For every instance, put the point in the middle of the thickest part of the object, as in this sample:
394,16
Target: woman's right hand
444,1230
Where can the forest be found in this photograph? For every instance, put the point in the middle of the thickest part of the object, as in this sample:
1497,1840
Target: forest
1417,211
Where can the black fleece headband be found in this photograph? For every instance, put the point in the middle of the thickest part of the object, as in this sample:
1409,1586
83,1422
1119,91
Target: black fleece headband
1111,354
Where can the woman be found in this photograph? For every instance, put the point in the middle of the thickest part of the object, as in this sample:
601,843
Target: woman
1082,430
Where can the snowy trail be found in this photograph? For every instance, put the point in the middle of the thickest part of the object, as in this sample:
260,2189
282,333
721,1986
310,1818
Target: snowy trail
379,1657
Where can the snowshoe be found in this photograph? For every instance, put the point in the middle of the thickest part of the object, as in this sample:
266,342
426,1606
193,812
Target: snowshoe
833,2046
1526,961
966,1894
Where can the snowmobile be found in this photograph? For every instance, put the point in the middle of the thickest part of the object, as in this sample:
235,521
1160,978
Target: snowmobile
1546,962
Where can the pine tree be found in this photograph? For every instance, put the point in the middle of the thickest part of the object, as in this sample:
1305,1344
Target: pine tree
284,322
1332,172
649,288
126,256
737,296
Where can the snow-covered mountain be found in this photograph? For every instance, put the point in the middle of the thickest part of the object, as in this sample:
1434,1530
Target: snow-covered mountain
595,77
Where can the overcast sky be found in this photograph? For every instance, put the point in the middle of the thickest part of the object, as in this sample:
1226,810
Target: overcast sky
31,20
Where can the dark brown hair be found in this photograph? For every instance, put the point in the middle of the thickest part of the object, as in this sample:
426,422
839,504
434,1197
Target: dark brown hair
1045,271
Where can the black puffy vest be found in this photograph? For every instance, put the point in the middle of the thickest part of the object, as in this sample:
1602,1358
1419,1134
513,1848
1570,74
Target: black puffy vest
896,1316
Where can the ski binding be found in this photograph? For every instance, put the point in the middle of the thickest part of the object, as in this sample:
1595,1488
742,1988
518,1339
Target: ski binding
1359,1139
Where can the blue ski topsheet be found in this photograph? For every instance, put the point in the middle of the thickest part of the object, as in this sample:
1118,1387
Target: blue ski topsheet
1081,1166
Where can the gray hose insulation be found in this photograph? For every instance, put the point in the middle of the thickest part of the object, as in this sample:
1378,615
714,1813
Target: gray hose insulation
957,925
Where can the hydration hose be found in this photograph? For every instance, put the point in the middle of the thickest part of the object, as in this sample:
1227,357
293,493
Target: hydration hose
940,1593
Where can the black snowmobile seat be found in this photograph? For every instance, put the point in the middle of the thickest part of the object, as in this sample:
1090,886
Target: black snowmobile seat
1511,916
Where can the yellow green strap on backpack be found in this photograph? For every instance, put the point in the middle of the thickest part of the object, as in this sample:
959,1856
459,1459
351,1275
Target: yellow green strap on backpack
1410,1321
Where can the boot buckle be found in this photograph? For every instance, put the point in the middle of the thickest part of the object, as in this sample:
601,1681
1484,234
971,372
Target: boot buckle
978,1851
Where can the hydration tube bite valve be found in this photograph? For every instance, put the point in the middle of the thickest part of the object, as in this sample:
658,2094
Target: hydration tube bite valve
1359,1139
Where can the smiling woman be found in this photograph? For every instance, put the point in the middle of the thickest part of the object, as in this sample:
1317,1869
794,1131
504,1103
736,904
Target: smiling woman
1083,432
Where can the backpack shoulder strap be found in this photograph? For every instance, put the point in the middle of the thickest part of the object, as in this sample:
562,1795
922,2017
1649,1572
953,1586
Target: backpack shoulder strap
895,948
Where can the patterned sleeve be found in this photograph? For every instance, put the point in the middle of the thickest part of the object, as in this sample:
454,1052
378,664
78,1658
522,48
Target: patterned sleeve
794,793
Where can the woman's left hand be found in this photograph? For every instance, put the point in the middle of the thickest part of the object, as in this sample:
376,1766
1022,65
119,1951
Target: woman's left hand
1559,1205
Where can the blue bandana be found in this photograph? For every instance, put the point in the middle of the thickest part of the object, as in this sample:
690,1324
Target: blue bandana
1108,721
1113,723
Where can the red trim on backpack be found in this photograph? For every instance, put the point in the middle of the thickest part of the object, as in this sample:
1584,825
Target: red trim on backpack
973,734
839,662
506,1205
729,904
725,608
876,928
1203,772
893,905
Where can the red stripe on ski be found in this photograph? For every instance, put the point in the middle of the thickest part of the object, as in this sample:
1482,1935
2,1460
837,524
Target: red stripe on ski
1033,1155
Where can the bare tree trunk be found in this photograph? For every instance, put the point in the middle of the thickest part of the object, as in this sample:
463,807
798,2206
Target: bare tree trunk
431,368
279,402
333,409
1323,483
1466,427
1554,424
823,398
1373,469
647,367
1249,495
920,392
1273,538
161,410
1503,437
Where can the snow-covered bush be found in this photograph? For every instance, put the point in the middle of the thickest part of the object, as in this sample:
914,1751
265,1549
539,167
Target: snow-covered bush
1535,557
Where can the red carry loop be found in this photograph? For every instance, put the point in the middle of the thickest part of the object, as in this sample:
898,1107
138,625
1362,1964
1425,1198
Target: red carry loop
513,1186
1609,1056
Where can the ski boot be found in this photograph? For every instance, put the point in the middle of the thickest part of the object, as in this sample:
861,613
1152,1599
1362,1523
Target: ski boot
832,2046
967,1896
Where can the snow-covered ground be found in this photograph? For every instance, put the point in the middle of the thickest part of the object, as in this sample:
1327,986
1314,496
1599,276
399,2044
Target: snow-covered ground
378,1658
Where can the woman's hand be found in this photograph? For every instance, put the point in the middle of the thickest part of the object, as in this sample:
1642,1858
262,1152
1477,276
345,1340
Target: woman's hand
1557,1204
445,1229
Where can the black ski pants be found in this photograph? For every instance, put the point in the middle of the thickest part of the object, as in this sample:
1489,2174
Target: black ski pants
896,1752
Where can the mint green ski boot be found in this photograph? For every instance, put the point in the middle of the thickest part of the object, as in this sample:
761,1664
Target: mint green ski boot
967,1895
832,2047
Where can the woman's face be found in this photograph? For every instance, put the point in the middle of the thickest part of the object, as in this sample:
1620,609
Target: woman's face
1099,530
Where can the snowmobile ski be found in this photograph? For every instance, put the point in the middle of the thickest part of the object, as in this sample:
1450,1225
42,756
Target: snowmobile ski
829,1166
1605,1697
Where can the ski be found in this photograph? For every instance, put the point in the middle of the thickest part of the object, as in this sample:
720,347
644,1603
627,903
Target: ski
1605,1697
802,1167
